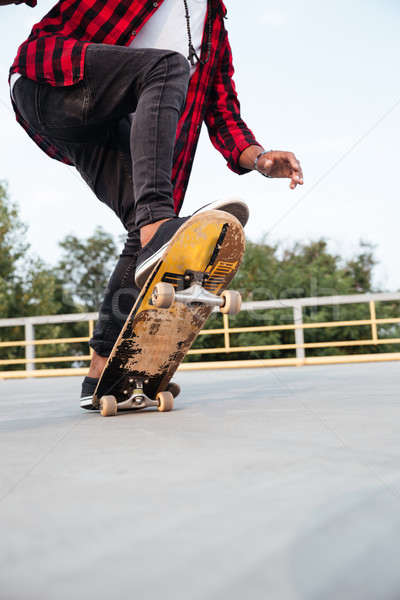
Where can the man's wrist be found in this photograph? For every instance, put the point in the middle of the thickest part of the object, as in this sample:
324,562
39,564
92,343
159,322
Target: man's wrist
248,156
256,163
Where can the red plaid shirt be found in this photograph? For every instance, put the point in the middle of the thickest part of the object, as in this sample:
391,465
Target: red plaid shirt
55,51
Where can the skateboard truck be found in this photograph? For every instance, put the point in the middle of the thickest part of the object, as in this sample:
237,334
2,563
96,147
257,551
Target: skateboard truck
164,295
137,399
191,277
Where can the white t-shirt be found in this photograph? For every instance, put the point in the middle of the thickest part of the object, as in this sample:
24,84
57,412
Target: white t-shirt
166,29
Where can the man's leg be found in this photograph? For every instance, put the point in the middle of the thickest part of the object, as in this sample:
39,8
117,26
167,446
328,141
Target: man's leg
128,168
153,85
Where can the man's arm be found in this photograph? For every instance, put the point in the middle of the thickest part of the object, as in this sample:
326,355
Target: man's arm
234,140
228,132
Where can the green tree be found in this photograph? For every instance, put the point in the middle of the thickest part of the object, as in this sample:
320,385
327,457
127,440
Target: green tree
86,266
12,246
271,272
29,287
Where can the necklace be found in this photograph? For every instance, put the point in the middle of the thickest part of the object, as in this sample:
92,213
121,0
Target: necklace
192,52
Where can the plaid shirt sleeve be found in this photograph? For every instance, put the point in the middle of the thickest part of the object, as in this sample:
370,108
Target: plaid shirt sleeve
228,132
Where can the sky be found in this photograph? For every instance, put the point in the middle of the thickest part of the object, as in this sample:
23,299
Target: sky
316,77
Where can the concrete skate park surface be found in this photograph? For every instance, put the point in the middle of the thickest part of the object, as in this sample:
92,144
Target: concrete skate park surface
278,484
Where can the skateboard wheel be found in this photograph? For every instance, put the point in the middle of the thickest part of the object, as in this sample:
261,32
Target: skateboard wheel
174,388
163,295
165,401
108,406
233,302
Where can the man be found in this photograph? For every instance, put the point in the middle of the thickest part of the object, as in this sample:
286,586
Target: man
105,85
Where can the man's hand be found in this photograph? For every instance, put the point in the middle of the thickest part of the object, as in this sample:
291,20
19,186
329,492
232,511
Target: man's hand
281,164
275,163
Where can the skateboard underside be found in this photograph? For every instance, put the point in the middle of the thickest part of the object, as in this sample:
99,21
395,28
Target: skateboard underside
207,252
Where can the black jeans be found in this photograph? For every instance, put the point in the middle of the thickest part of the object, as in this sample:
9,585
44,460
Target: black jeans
126,161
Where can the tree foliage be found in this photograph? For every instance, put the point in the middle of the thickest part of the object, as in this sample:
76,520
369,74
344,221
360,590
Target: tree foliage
29,287
86,267
12,246
271,272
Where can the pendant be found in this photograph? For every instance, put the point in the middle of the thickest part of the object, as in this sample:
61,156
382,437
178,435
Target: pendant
191,56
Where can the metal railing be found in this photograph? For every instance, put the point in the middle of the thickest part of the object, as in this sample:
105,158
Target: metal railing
298,326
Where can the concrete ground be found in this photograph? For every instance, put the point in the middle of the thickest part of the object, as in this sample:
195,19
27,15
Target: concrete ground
278,484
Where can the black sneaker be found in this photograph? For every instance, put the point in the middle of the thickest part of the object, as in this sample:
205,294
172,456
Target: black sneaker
88,387
153,251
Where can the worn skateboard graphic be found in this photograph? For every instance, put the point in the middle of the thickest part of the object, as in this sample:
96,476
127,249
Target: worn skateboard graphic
173,306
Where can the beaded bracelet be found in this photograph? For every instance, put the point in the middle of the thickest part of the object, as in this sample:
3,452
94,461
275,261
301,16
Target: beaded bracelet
256,161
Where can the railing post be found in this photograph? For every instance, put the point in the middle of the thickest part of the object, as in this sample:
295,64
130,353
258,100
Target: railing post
29,348
299,332
226,331
374,329
91,329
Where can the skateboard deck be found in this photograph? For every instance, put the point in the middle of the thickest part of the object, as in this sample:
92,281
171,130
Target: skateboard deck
196,268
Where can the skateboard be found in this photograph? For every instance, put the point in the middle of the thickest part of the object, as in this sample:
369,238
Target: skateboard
185,286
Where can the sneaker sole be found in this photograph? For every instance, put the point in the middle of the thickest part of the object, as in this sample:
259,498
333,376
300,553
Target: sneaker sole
86,402
233,206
